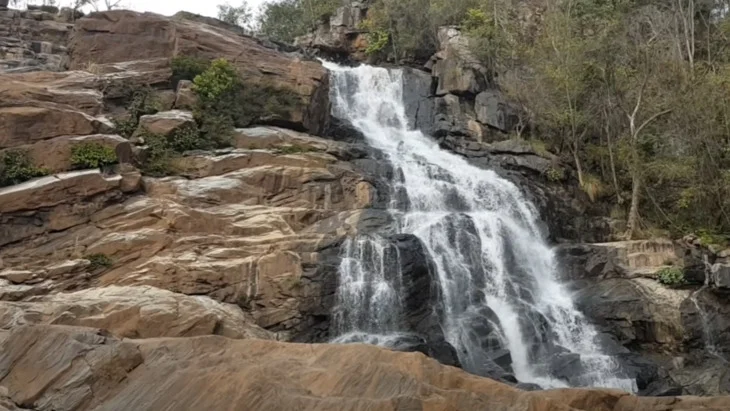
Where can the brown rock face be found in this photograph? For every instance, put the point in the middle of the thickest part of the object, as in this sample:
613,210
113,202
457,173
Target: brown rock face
119,36
23,125
66,368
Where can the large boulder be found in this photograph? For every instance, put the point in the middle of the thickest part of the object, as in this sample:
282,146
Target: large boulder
65,368
119,36
25,125
133,312
721,276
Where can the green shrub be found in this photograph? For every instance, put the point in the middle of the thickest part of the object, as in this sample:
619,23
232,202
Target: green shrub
99,261
377,40
140,101
188,138
219,79
16,167
156,161
226,102
187,68
92,155
671,276
555,174
293,149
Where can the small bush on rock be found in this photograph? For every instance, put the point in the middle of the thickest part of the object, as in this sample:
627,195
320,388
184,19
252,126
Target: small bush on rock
157,156
187,68
99,261
671,276
140,102
225,101
92,155
188,138
16,167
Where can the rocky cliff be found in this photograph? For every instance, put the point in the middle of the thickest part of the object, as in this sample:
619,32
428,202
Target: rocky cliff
121,290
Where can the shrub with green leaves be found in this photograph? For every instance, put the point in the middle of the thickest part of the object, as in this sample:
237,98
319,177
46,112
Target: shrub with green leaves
220,79
671,276
225,101
99,261
92,155
377,40
188,138
157,156
187,68
16,166
140,101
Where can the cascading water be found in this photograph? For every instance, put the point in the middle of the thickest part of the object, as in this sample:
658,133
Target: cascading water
494,269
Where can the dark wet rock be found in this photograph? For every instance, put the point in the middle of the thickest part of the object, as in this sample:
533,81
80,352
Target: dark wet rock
422,302
418,99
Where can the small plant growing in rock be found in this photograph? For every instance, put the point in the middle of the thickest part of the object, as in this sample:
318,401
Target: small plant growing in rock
92,155
187,68
141,101
99,261
157,156
293,149
188,138
16,167
555,174
377,41
671,276
219,79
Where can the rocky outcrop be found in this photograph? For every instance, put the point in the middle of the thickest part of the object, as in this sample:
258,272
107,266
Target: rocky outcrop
678,331
132,312
33,40
121,36
66,368
340,38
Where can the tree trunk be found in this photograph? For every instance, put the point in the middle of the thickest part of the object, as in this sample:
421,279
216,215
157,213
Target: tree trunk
613,170
578,166
633,221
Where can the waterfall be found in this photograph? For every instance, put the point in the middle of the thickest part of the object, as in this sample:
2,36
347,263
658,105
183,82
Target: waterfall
493,267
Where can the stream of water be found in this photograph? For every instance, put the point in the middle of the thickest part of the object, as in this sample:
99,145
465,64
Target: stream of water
492,262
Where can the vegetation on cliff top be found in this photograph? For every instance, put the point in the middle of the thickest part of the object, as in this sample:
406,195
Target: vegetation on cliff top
635,95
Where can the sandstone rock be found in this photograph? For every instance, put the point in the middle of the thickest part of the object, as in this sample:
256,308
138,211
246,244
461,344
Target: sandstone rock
54,190
418,99
67,368
55,154
185,98
164,123
118,36
19,89
134,312
15,276
458,71
26,125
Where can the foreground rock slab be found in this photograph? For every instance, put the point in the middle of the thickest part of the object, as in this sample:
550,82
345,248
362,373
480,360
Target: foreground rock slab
69,368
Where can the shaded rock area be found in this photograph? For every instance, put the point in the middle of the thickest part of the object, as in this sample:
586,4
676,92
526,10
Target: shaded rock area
68,368
675,336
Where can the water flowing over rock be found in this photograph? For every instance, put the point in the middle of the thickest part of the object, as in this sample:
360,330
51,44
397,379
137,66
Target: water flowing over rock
501,303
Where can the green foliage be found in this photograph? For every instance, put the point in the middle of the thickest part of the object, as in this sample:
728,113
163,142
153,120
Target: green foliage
555,174
188,138
140,101
287,19
92,155
293,149
157,156
16,167
377,40
226,102
239,16
187,68
671,276
99,261
218,80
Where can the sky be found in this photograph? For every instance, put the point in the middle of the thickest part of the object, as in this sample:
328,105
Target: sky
164,7
170,7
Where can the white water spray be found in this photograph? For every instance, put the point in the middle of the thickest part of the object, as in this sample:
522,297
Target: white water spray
483,236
